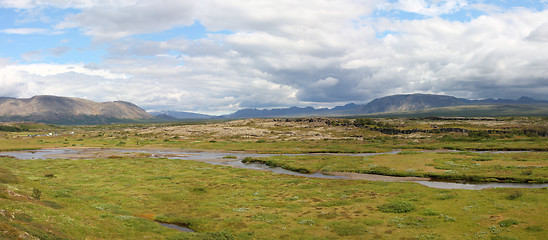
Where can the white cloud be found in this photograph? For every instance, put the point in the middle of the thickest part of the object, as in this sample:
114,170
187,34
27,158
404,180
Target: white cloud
32,56
58,51
37,55
426,7
487,57
113,21
25,31
327,82
73,80
540,34
21,4
29,4
284,53
10,84
281,17
63,80
44,69
290,52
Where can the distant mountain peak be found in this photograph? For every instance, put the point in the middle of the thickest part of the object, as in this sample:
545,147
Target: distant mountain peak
410,102
54,109
524,99
174,115
393,103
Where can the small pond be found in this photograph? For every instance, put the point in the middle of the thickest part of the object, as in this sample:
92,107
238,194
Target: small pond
478,186
176,227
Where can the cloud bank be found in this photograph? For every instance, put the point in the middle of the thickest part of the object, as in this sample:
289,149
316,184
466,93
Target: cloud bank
219,56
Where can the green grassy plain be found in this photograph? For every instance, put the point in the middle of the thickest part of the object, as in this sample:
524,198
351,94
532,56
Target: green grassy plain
119,198
291,136
471,166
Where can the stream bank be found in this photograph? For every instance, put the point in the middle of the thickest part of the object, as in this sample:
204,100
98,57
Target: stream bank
220,158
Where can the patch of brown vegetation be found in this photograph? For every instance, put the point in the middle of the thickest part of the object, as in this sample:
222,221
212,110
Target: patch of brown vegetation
254,129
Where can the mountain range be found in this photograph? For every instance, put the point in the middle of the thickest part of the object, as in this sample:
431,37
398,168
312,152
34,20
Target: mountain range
67,110
389,104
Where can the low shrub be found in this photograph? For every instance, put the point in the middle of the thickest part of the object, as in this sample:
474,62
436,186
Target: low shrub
508,222
482,159
500,237
408,152
4,128
199,189
430,212
534,228
478,134
36,193
160,178
381,170
397,207
514,195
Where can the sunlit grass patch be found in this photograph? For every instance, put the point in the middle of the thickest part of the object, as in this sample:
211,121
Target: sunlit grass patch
398,206
213,199
119,197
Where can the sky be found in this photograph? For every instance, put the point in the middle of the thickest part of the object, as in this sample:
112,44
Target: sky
219,56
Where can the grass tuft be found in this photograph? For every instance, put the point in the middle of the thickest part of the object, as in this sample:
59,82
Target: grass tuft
514,195
508,222
397,207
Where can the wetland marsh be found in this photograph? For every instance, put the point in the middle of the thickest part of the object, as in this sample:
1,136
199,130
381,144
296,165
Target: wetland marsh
123,194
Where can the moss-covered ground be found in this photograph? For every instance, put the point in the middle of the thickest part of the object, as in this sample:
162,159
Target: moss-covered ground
528,167
119,198
123,197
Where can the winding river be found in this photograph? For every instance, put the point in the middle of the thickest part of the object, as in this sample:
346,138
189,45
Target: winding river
219,158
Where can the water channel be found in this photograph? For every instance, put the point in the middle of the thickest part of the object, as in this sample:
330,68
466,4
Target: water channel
219,158
176,227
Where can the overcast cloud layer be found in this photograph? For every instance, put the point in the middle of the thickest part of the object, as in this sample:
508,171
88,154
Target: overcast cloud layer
218,56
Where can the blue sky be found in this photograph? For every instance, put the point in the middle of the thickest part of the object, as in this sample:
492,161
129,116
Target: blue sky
217,56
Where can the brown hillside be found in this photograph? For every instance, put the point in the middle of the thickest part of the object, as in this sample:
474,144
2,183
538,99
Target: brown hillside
48,106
